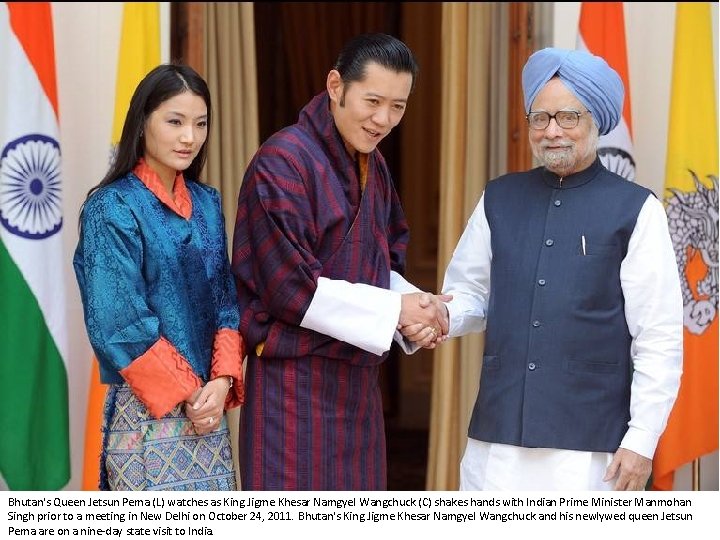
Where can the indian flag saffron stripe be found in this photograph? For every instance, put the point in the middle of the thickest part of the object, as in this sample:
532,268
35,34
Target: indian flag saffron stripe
34,446
602,32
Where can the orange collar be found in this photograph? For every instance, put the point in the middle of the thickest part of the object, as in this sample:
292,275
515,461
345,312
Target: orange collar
182,205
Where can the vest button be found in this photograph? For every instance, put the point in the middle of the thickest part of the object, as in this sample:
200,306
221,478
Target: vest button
536,323
557,202
549,242
541,282
532,366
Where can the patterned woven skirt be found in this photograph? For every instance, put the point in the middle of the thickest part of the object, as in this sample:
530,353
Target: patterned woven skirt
141,453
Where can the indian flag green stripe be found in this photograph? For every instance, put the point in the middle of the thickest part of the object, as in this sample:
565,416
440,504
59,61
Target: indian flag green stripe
34,450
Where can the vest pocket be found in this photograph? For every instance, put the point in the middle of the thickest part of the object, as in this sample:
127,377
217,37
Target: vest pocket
596,276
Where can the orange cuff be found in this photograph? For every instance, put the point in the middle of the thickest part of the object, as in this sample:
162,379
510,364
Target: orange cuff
228,354
161,378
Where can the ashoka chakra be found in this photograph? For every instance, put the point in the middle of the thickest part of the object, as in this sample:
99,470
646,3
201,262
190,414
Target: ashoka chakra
618,161
30,204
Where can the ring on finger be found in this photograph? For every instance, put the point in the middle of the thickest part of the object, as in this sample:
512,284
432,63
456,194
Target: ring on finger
210,420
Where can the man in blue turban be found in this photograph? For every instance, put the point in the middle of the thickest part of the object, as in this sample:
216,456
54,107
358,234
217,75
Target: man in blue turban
570,270
598,86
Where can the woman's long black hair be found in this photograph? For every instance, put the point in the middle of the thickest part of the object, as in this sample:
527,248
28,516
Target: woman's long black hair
162,83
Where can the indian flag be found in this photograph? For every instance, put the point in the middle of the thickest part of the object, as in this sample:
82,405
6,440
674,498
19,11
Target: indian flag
602,32
34,444
139,53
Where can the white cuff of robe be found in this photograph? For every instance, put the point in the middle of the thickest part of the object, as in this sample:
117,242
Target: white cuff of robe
401,285
640,441
359,314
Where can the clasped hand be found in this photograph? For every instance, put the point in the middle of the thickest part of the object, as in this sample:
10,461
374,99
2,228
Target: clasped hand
424,318
206,406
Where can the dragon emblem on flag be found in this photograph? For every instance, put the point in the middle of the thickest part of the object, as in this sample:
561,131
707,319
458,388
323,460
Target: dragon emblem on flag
693,224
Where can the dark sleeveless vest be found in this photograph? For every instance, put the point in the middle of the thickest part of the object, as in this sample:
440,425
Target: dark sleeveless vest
557,368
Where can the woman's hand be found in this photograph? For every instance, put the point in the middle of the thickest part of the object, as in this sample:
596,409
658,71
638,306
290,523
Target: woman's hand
205,408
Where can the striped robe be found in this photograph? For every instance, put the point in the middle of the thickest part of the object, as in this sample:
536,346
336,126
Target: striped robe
313,418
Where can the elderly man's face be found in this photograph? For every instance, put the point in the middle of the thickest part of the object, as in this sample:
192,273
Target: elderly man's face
563,151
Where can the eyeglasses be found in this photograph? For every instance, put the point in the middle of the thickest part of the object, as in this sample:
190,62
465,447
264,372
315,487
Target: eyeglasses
564,119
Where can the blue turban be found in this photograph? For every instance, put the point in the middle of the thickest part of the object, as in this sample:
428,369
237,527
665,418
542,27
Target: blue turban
589,77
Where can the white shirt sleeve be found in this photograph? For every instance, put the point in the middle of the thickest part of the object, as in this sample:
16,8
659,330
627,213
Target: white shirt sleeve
359,314
467,277
654,313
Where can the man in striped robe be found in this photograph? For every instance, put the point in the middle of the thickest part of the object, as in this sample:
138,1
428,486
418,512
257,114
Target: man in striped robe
318,253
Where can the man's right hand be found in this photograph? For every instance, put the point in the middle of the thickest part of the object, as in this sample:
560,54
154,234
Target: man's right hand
424,318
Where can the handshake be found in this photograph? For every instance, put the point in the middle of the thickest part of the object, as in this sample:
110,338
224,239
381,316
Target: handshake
424,318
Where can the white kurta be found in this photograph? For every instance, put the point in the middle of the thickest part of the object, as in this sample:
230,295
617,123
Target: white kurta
654,314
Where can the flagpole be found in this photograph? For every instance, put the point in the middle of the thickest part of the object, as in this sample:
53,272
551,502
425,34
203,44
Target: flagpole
696,474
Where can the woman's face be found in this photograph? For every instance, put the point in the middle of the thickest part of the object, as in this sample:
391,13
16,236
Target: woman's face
174,134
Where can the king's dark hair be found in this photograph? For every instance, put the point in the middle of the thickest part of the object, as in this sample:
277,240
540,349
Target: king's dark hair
382,49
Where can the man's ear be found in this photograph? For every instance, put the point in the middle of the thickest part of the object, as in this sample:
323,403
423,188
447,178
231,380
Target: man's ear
334,85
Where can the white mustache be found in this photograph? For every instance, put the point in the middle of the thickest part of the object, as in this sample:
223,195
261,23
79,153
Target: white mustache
555,145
